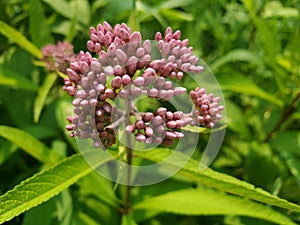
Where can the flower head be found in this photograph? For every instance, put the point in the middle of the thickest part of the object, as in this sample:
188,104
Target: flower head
123,68
58,57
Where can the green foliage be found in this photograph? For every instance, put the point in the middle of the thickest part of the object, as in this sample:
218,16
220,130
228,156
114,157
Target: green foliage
253,49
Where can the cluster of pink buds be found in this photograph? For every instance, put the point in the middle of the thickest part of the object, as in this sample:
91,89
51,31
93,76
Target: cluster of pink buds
123,68
58,57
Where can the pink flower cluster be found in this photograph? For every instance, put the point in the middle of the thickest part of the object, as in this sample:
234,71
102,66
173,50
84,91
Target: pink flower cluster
58,57
123,68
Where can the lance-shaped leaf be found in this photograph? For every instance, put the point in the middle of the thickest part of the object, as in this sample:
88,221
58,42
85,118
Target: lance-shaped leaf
204,201
15,36
29,144
215,179
46,184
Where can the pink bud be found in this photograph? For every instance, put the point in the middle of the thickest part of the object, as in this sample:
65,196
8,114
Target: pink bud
101,78
168,37
84,83
156,120
90,45
118,70
149,131
179,91
168,31
110,93
100,36
171,135
104,58
131,65
140,137
144,61
139,124
100,28
177,115
93,30
139,81
107,107
153,92
136,37
140,52
179,75
147,46
94,38
171,124
107,27
109,70
161,111
124,35
129,128
74,77
96,66
111,50
81,94
168,84
122,57
126,79
148,116
70,127
116,82
158,36
177,35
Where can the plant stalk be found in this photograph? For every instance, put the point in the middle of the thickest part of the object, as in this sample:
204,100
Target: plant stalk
284,116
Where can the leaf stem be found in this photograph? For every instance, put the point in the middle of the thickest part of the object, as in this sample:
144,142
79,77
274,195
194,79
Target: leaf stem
284,116
129,154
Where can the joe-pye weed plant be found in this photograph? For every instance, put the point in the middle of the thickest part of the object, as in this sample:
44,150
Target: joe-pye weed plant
144,118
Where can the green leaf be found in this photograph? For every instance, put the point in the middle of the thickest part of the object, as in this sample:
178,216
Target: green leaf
84,219
46,184
204,201
238,83
235,119
175,4
42,214
6,150
293,164
42,94
176,15
237,55
67,9
271,43
15,36
29,144
127,219
215,179
287,141
39,29
15,80
275,9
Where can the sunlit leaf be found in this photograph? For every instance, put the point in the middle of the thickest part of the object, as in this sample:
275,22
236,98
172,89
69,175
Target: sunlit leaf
276,9
237,55
15,36
240,84
215,179
176,15
29,144
15,80
45,184
68,8
204,201
235,119
42,94
39,29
